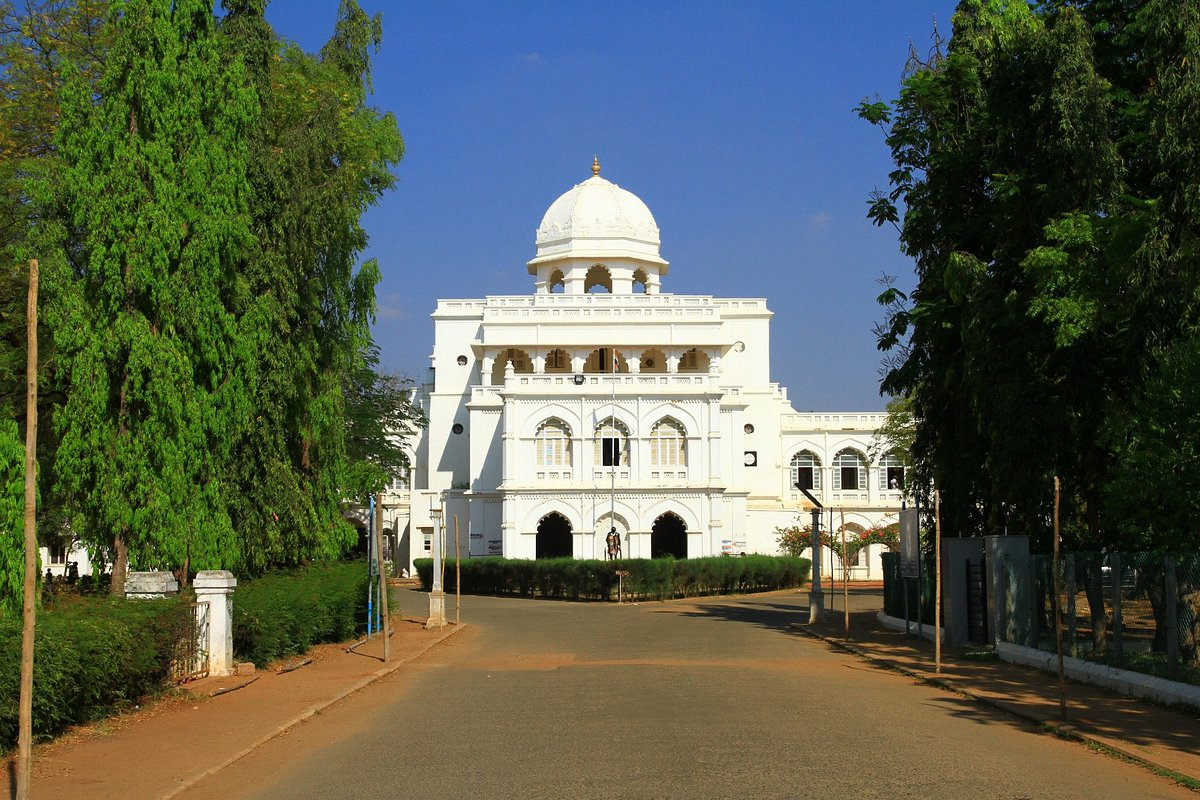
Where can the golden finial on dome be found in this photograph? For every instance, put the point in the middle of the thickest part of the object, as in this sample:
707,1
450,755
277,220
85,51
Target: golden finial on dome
595,165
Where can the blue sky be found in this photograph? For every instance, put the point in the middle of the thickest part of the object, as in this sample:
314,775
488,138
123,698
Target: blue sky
732,121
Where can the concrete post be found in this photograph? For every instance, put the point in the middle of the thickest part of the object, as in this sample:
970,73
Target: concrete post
214,596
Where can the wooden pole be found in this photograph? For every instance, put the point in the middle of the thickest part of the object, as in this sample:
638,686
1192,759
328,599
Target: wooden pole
457,576
845,576
384,629
25,712
937,579
1062,674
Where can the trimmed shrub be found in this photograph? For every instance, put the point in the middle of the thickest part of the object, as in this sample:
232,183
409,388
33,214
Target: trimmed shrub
285,613
648,579
92,656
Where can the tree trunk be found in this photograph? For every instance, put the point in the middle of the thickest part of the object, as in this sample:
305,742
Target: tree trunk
120,566
1093,587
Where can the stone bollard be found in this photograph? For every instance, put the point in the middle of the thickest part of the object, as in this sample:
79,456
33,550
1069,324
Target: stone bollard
214,595
150,585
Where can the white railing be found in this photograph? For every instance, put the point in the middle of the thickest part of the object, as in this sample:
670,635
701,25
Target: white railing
835,422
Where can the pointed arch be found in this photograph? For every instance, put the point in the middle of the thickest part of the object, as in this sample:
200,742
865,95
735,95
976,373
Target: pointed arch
805,471
557,283
558,361
641,282
611,443
668,443
606,360
849,471
553,537
553,443
668,537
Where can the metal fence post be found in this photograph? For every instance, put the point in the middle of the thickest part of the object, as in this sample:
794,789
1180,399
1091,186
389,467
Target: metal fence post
1171,590
1069,566
1114,576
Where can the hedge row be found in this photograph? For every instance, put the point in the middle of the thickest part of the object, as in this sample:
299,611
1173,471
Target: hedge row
648,579
91,656
284,613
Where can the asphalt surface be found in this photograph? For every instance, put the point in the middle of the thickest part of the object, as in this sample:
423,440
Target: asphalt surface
710,698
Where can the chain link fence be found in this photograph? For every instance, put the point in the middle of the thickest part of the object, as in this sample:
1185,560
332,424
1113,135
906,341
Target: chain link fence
1136,611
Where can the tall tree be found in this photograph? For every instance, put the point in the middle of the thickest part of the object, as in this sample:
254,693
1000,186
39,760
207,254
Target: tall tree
320,157
1047,179
149,314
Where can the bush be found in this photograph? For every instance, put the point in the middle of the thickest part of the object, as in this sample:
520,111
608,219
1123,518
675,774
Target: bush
657,579
91,656
285,613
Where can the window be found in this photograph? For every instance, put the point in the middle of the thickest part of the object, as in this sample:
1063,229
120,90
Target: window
806,471
558,361
612,444
849,472
399,482
668,444
553,444
891,473
58,553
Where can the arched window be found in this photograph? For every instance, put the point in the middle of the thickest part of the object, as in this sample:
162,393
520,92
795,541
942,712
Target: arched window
553,444
598,279
806,471
612,444
891,472
849,471
606,359
522,363
693,361
654,361
556,284
640,281
557,360
668,444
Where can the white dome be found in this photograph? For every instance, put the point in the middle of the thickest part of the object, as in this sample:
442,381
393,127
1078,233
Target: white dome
598,218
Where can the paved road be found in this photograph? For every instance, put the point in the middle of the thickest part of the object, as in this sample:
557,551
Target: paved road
697,699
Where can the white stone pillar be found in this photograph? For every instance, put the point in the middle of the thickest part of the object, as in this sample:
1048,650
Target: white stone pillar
485,370
214,596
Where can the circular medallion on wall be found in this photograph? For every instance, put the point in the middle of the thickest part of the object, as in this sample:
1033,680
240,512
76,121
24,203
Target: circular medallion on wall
462,361
457,428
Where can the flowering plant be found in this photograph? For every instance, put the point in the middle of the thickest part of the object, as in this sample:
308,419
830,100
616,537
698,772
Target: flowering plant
795,539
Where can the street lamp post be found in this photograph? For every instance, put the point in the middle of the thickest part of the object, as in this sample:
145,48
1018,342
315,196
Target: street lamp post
816,595
437,596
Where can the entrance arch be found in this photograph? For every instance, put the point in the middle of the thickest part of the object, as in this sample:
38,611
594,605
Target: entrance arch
668,537
553,537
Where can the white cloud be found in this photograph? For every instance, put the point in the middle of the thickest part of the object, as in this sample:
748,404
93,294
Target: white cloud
390,308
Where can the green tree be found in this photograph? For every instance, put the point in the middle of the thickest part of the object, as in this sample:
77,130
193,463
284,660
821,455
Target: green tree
150,315
320,157
1045,186
12,519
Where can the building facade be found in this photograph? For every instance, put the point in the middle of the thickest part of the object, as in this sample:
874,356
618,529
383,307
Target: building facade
599,401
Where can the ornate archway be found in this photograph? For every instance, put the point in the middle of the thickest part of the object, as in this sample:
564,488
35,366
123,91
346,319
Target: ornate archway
668,537
553,537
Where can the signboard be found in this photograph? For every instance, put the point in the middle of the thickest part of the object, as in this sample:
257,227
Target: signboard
910,550
727,546
495,547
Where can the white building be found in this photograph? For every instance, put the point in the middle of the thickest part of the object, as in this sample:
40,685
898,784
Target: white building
600,400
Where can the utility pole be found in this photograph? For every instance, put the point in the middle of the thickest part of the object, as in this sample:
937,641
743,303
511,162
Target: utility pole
385,628
25,712
816,595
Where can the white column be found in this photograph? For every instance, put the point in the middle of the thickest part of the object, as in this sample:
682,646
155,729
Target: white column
214,597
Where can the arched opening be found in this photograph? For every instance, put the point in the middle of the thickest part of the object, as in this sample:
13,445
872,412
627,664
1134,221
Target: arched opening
640,281
612,444
598,279
849,471
668,444
557,284
558,360
605,359
553,537
806,471
668,537
553,442
604,526
522,364
654,361
694,361
891,472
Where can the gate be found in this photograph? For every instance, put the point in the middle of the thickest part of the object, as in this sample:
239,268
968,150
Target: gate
976,603
190,659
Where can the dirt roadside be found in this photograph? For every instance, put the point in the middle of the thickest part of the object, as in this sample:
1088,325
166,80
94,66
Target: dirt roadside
161,748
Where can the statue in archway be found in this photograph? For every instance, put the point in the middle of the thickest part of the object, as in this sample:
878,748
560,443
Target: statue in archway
613,542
